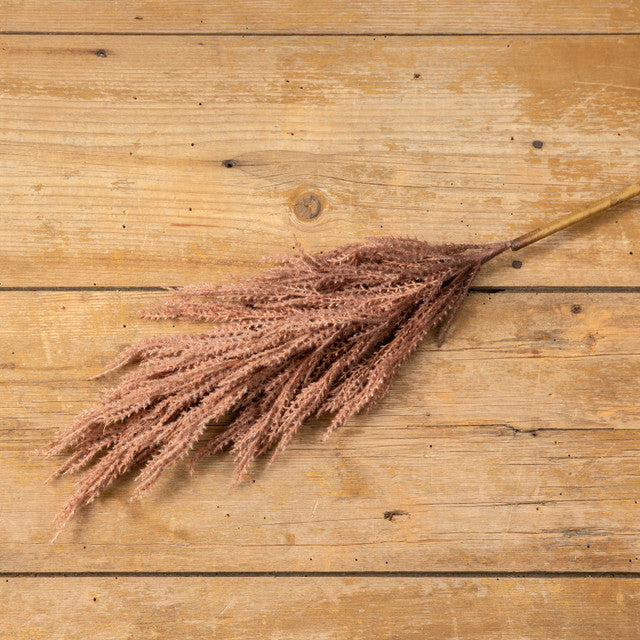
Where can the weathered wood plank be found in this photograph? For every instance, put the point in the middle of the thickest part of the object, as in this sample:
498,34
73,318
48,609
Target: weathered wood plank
515,447
529,360
328,16
111,165
308,607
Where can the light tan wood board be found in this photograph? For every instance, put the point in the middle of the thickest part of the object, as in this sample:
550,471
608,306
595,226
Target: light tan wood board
335,607
326,16
112,152
515,447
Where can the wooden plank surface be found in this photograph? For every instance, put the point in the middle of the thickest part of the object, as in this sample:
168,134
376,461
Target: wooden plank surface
138,160
515,446
328,16
347,607
113,150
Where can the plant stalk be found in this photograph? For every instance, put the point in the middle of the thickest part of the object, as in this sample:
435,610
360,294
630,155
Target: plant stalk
630,191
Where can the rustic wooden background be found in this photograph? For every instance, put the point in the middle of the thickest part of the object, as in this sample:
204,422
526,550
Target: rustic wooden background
494,493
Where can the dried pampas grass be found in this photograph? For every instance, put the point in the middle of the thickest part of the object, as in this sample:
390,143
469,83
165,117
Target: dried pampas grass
318,334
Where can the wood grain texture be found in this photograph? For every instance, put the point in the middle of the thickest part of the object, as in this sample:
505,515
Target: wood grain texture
356,608
113,172
514,446
137,161
328,16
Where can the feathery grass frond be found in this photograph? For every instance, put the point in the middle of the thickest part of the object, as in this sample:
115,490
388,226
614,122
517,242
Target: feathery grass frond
317,334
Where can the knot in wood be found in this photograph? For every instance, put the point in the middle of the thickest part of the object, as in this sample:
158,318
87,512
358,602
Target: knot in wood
307,207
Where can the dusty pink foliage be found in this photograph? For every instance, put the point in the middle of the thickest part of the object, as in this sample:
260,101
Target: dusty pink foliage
317,334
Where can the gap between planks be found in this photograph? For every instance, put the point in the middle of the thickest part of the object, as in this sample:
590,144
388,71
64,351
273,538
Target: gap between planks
323,574
346,34
480,289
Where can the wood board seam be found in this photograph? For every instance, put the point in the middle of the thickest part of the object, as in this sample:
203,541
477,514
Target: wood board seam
323,574
473,289
346,34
